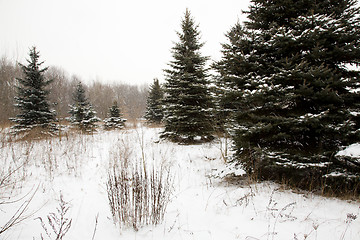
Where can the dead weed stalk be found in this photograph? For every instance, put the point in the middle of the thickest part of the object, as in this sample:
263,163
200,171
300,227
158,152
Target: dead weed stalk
138,194
58,224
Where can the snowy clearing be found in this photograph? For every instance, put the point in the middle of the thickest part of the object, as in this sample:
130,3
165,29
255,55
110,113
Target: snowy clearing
200,207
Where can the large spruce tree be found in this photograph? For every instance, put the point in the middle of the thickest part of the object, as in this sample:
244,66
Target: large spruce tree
229,70
297,101
83,116
187,100
31,99
154,104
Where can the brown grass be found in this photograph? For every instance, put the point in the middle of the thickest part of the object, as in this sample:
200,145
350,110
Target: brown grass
138,194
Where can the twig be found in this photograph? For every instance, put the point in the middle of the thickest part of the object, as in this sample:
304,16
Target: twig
18,216
59,223
279,214
96,223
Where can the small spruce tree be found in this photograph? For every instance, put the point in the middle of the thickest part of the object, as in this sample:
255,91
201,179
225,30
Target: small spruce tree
31,99
82,113
154,106
187,101
114,119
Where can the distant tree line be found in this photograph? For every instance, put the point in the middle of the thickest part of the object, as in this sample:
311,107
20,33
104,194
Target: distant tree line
131,99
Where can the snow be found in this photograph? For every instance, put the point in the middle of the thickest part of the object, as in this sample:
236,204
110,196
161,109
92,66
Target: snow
304,165
355,113
340,174
310,115
232,169
351,151
201,206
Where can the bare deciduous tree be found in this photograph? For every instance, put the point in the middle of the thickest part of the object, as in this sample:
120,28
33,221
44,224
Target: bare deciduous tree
8,72
131,98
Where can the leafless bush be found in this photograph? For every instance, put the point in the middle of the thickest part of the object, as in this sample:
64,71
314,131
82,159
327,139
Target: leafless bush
58,222
246,199
138,196
21,213
12,174
350,217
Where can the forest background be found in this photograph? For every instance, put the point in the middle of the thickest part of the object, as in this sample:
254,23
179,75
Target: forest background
131,98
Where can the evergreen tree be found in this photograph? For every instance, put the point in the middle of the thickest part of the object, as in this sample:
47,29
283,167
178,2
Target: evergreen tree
297,101
228,81
154,106
82,113
34,110
114,119
187,101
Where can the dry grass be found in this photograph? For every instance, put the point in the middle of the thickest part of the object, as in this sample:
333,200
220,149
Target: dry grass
138,193
5,124
12,175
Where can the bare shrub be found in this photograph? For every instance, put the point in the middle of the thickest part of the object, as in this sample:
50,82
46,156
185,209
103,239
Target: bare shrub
58,224
21,214
12,174
350,217
138,194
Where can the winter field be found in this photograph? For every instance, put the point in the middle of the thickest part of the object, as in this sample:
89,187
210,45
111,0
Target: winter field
34,174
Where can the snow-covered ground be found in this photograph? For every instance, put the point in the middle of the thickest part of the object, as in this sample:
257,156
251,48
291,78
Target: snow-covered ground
200,207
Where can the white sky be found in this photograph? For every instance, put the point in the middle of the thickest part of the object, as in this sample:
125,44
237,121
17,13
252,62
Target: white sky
111,40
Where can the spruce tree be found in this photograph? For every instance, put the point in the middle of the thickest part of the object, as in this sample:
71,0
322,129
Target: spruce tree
297,100
229,70
82,113
31,99
154,105
187,101
114,119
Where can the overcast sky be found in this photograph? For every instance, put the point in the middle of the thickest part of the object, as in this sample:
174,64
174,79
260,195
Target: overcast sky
111,40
